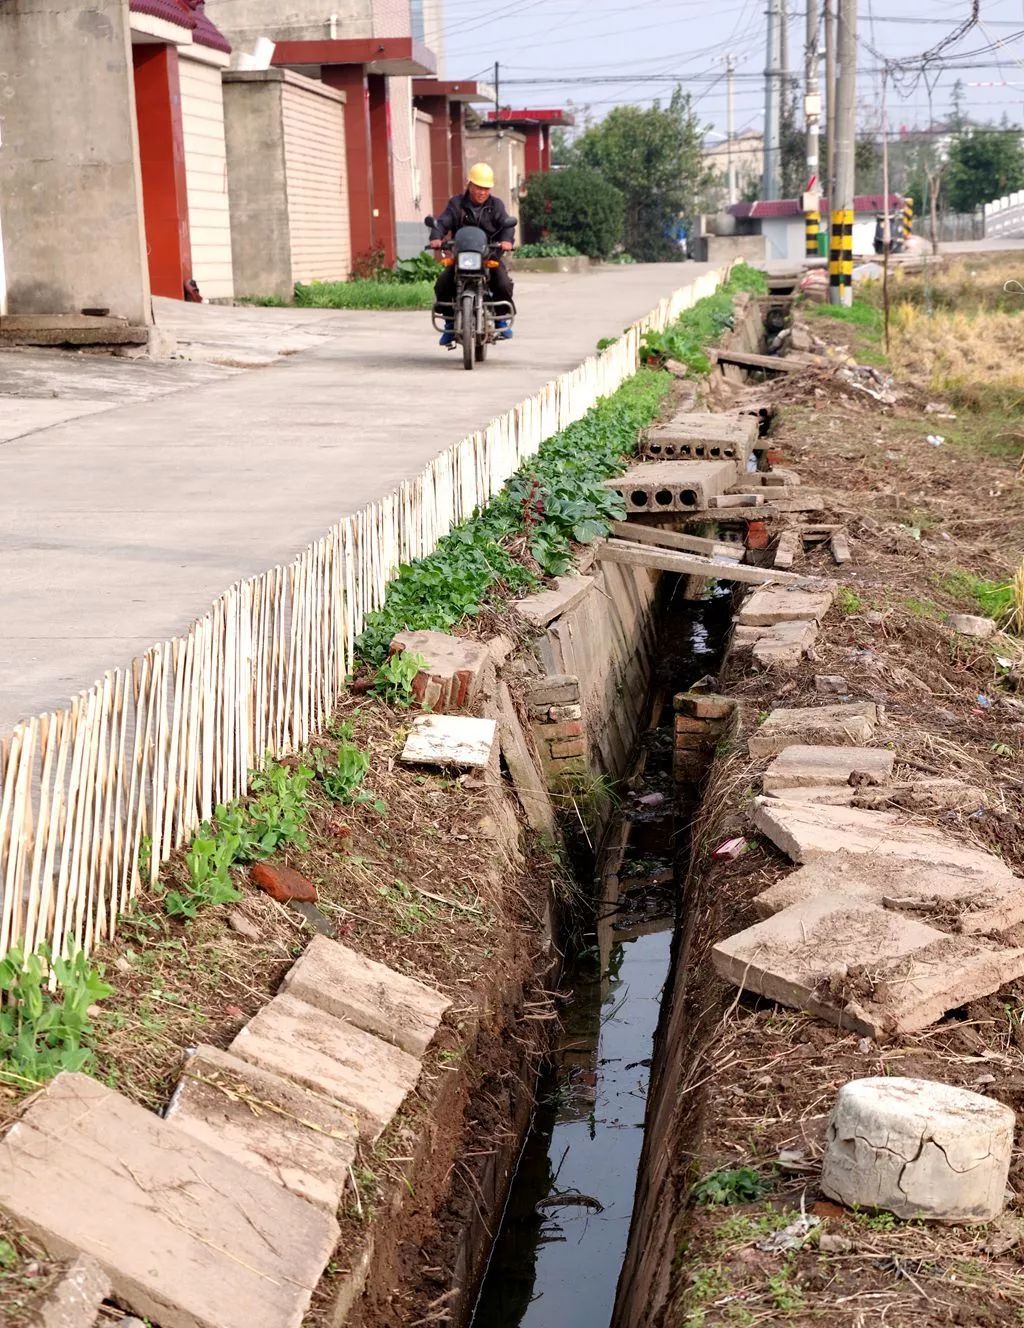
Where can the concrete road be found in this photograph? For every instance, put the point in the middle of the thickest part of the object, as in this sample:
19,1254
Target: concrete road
118,526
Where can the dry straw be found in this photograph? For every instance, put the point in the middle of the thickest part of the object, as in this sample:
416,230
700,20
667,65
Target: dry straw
148,751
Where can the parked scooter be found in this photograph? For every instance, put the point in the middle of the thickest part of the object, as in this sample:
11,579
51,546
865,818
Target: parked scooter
474,316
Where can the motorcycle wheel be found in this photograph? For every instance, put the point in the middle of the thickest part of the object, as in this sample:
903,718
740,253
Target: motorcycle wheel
481,350
468,329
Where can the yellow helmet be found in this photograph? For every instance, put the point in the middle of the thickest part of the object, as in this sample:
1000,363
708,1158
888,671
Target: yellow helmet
481,175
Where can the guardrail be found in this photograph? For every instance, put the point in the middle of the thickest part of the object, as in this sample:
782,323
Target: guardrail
143,756
1004,217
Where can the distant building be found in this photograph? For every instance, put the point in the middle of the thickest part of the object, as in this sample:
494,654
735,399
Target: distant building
781,222
747,154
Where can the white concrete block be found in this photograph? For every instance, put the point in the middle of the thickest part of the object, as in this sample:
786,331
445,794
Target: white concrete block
450,740
918,1148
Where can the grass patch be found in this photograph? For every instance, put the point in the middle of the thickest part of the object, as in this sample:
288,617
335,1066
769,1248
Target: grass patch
686,340
992,599
365,294
848,601
866,321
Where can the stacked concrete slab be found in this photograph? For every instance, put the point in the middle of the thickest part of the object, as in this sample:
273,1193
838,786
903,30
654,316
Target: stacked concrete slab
888,924
222,1215
703,436
778,626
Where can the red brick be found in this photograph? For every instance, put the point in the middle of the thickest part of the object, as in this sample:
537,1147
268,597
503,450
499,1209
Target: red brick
774,456
757,535
574,747
696,742
570,728
704,705
281,883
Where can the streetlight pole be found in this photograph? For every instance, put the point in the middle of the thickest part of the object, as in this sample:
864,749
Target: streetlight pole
770,183
730,129
840,261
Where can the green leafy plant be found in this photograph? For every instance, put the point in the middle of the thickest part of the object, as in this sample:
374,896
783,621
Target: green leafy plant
848,600
396,675
547,249
242,832
41,1031
367,293
741,1185
341,779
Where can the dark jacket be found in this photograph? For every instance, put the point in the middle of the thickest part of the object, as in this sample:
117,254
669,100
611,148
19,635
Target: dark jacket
491,216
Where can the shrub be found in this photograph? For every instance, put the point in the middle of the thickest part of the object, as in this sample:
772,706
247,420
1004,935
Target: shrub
576,206
547,249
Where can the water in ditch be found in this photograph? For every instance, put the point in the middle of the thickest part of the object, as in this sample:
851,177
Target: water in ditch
563,1236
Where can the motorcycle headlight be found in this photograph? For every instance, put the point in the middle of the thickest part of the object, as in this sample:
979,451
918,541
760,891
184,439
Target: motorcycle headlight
470,262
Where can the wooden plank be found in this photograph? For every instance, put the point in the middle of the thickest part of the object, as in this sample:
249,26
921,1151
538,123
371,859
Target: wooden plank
691,564
674,539
748,360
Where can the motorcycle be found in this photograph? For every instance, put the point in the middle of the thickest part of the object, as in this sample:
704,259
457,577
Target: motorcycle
473,314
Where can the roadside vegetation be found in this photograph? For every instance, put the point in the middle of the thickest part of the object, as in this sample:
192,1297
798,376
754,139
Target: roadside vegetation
556,502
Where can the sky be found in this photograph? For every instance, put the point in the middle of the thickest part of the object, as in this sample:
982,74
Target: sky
617,54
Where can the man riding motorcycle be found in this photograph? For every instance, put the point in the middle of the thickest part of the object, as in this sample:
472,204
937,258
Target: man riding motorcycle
476,207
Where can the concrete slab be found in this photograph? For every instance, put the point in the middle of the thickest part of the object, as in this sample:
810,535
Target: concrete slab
805,832
768,606
459,740
292,1136
836,795
375,998
973,901
300,1042
522,767
784,645
673,486
188,1237
924,794
802,766
699,435
852,722
547,605
862,967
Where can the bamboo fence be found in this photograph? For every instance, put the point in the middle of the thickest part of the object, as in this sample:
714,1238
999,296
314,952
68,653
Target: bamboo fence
95,797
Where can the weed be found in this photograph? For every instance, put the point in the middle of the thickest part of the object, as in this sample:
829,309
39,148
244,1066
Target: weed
396,675
920,608
706,1284
341,781
242,832
848,600
604,342
745,1227
880,1221
686,341
44,1032
412,912
145,857
741,1185
784,1288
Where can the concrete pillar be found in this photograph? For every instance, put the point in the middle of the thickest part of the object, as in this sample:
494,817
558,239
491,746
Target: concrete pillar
162,157
351,80
70,185
534,158
545,148
456,125
383,167
440,150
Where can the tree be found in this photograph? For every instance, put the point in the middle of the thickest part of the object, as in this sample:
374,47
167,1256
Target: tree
653,157
574,206
867,166
983,164
792,151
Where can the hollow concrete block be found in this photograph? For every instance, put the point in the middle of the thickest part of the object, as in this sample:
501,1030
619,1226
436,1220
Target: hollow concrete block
918,1148
673,486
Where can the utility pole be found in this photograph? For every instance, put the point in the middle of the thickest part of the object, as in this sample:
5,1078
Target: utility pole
770,182
730,129
812,114
497,90
840,261
829,181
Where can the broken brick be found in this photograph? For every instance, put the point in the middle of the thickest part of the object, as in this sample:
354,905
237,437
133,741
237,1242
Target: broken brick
570,728
757,535
703,705
282,883
572,747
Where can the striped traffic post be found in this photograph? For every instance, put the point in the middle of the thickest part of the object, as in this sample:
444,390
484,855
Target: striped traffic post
812,221
908,217
840,257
